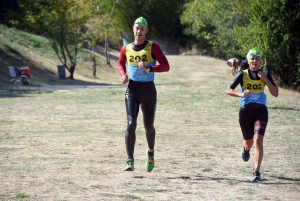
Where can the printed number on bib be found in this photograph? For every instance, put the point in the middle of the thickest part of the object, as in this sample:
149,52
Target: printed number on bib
254,86
138,58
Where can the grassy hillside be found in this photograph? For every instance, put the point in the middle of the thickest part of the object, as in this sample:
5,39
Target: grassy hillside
19,48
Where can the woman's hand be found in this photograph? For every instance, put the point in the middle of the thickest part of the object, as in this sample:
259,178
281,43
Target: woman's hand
262,76
246,93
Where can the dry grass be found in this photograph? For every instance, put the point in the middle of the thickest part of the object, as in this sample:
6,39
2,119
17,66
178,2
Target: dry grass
69,144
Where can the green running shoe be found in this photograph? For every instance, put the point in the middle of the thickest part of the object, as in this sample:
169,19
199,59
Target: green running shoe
245,155
149,163
129,165
256,176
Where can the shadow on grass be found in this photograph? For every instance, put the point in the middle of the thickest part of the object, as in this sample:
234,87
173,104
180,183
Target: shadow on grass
12,51
17,93
12,95
199,178
284,108
289,179
99,49
33,90
264,181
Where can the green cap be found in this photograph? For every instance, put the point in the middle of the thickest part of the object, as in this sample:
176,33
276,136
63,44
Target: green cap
140,22
253,52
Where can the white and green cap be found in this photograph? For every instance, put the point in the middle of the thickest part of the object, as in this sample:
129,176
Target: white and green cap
253,52
140,22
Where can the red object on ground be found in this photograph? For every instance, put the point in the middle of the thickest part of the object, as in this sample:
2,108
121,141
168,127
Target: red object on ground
25,70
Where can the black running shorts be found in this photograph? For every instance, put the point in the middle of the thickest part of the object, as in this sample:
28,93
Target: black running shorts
253,120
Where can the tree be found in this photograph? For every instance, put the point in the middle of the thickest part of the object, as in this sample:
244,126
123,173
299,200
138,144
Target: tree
273,27
211,24
101,28
61,22
226,28
106,31
163,18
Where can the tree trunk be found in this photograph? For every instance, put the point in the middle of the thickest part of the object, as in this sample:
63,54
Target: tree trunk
72,70
94,66
106,30
106,50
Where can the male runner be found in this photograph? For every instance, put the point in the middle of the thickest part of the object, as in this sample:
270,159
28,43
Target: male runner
141,56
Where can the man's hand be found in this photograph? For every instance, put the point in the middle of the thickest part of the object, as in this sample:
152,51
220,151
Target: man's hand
124,79
142,65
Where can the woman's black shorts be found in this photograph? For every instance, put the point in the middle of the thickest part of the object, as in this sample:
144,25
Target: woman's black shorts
253,119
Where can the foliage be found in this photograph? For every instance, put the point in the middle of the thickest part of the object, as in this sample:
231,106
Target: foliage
213,26
98,21
99,27
273,27
60,22
226,29
162,17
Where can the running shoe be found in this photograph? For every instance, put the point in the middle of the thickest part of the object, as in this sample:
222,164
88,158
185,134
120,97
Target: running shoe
256,176
245,155
149,163
129,165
